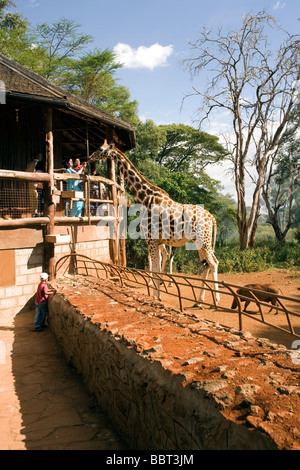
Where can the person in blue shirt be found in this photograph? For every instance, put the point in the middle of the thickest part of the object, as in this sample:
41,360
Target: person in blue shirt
74,185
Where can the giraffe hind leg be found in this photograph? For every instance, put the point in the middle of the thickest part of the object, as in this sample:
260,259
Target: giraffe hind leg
210,263
172,251
164,254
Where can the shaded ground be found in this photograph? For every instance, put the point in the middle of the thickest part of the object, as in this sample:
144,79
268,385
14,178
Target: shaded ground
44,404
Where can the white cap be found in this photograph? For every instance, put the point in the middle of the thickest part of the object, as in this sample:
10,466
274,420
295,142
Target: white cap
44,276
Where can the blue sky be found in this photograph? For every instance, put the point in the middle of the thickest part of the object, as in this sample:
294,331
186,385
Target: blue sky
153,37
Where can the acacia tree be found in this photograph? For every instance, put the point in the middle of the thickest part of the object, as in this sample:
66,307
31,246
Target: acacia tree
92,77
177,147
188,148
13,31
57,44
257,86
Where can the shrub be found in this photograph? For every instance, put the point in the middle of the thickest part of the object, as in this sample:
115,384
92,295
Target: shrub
265,255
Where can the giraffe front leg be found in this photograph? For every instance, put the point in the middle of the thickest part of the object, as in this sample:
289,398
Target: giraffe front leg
154,254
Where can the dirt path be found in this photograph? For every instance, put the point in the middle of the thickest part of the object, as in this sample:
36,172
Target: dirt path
287,281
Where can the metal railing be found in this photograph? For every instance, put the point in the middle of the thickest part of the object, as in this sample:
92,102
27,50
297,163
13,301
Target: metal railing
184,287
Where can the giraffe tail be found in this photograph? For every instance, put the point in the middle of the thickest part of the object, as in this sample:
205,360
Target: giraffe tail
214,222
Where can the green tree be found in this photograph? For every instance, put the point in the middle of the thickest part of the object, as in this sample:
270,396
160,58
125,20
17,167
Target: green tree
174,158
92,78
177,147
56,52
149,139
56,45
14,41
282,187
9,20
224,209
187,148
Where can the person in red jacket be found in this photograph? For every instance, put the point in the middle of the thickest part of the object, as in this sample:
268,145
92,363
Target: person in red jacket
41,303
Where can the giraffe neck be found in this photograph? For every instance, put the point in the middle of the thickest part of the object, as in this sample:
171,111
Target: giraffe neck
143,192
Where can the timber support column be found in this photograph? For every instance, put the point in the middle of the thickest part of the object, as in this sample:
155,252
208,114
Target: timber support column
49,204
113,233
122,238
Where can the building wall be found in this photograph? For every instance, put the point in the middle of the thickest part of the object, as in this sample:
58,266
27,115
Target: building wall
19,286
22,262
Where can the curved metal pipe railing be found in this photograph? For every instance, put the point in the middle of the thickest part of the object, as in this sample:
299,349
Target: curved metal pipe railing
78,264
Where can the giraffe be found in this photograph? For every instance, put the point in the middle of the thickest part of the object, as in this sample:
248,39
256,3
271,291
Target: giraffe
166,222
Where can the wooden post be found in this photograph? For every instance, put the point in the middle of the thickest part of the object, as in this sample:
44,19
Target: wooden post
49,206
122,242
113,240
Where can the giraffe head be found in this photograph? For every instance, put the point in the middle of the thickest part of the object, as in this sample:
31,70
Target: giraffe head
102,153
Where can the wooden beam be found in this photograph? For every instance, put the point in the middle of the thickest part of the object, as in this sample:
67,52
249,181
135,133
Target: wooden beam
49,205
75,176
24,176
24,222
122,242
113,237
80,220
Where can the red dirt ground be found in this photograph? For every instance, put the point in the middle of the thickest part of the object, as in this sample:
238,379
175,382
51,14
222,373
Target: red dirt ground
289,283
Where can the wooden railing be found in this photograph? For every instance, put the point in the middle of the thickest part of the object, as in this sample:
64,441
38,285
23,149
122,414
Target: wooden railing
15,206
53,212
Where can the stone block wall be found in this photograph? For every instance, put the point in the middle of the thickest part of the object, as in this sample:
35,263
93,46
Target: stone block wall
98,249
14,298
26,265
139,360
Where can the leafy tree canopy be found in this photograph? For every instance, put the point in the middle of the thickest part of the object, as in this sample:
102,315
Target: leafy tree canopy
14,41
177,147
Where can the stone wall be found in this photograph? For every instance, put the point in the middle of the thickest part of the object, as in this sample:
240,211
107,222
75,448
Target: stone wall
170,381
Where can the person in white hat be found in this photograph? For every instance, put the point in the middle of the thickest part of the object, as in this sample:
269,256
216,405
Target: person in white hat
41,303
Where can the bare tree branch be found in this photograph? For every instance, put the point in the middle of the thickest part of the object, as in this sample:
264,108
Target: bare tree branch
257,85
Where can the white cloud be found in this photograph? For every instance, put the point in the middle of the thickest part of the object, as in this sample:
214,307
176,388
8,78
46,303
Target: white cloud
143,57
279,5
33,3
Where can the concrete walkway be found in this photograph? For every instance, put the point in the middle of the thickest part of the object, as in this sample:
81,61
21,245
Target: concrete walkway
44,404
